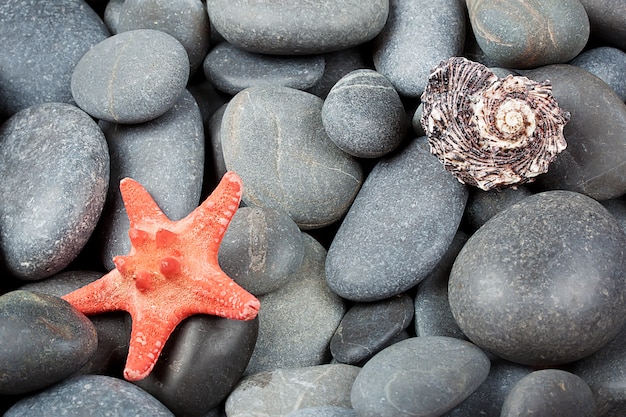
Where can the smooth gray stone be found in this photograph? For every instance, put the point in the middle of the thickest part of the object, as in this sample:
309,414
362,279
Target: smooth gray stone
92,395
215,137
487,400
363,115
617,207
338,64
200,364
279,392
186,20
532,284
608,20
417,36
323,411
483,205
593,162
420,376
398,228
416,123
606,63
274,139
166,156
549,392
232,69
44,340
297,28
54,165
433,316
112,15
131,77
42,40
261,250
531,33
367,328
297,321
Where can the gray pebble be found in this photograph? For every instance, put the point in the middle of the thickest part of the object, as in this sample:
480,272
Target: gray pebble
166,156
483,205
215,137
232,69
608,20
532,284
420,376
112,15
338,64
324,411
273,137
297,28
398,228
261,250
363,115
42,40
131,77
417,36
617,207
606,63
54,165
279,392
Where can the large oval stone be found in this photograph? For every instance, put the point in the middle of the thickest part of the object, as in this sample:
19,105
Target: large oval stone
530,33
420,376
593,162
398,228
54,165
542,282
42,40
274,139
43,339
302,27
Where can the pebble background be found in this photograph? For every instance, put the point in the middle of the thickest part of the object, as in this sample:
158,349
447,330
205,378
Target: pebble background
387,287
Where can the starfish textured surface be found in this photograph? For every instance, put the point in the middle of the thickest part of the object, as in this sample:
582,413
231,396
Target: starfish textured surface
170,273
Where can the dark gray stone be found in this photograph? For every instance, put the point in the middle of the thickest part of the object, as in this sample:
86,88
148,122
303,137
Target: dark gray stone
617,207
593,162
363,115
261,250
433,316
606,63
92,395
531,33
487,400
323,411
42,40
44,339
367,328
54,166
420,376
274,139
232,69
187,21
483,205
131,77
338,64
297,28
398,228
279,392
542,283
608,20
297,321
416,123
417,36
215,137
112,15
549,392
200,364
166,156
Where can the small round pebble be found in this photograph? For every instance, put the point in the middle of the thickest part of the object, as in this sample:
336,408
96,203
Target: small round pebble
542,282
43,340
261,250
363,115
131,77
232,69
338,64
483,205
608,20
90,395
606,63
420,376
549,392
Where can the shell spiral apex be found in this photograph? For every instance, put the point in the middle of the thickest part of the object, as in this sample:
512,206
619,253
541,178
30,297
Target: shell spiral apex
491,132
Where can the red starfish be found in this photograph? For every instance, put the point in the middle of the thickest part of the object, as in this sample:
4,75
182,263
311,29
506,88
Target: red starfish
170,273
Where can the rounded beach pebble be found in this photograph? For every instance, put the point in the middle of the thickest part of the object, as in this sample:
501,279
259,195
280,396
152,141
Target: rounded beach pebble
542,283
131,77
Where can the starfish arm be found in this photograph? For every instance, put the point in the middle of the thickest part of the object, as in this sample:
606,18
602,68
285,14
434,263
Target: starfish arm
223,297
140,206
103,295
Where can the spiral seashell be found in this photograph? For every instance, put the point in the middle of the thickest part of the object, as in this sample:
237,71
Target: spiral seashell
491,132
